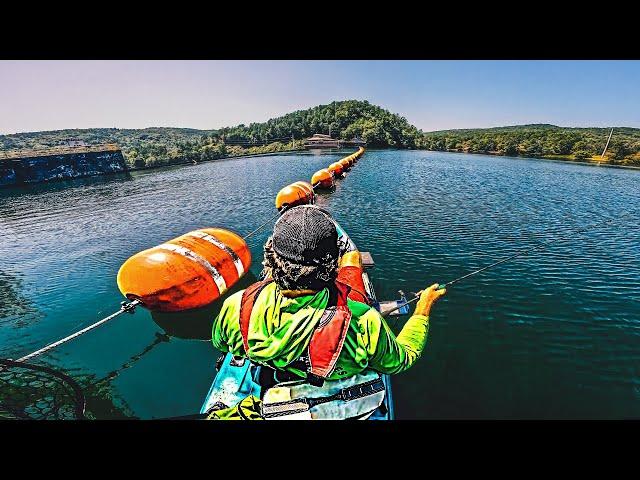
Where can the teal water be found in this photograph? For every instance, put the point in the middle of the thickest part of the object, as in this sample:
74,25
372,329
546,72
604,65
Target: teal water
555,334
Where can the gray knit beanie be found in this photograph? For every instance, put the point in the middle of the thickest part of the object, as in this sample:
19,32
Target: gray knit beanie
303,251
305,235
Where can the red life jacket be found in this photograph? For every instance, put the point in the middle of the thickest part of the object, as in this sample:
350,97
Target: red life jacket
352,276
326,341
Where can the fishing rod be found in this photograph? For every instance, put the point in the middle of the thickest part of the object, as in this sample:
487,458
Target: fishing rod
519,253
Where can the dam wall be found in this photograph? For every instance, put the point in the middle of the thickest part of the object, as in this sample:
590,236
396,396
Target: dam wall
37,168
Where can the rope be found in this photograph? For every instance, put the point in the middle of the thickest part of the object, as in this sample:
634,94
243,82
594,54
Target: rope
125,307
519,253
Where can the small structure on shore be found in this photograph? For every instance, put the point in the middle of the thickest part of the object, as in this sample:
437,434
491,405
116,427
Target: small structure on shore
355,142
320,140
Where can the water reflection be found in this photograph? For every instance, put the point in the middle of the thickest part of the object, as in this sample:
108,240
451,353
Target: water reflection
554,334
197,323
15,307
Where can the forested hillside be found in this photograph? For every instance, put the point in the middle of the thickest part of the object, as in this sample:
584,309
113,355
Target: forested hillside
157,146
541,141
347,119
380,128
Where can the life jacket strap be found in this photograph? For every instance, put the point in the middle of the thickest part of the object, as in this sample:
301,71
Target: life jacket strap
326,343
249,297
327,340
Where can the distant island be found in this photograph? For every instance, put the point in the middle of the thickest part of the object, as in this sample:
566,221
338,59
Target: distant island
379,128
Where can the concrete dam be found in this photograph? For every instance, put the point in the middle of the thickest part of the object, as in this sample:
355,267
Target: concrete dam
36,166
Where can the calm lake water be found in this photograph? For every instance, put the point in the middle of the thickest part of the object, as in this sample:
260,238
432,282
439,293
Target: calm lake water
555,334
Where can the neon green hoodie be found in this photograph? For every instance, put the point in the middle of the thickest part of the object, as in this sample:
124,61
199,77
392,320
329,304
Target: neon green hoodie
281,327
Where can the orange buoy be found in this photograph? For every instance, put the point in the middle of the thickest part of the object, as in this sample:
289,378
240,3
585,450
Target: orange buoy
298,193
322,178
336,169
345,164
187,272
306,185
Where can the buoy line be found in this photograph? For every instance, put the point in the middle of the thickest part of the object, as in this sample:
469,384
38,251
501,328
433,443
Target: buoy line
201,241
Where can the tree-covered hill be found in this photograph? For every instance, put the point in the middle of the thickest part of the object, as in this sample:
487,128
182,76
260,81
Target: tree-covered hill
541,141
157,146
346,119
141,147
162,146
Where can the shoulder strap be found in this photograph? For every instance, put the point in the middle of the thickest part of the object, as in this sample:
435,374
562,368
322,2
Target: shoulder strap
249,298
327,340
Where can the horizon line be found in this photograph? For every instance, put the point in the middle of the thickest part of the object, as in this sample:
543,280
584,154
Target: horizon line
2,134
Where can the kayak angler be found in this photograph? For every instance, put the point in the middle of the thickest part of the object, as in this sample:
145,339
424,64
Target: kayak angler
310,330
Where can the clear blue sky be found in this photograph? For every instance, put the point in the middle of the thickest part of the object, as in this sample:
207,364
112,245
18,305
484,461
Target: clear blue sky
433,95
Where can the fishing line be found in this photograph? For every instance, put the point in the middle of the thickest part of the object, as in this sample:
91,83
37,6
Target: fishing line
250,234
519,253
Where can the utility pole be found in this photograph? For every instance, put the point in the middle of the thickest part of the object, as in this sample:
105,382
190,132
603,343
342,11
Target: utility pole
607,145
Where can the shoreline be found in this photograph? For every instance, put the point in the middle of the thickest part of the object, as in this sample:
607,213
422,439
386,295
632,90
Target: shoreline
308,153
172,165
553,159
301,151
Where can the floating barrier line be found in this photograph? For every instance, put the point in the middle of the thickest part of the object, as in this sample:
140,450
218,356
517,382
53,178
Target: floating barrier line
278,213
128,307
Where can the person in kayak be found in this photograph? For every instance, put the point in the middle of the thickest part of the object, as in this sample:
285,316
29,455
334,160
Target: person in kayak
300,321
